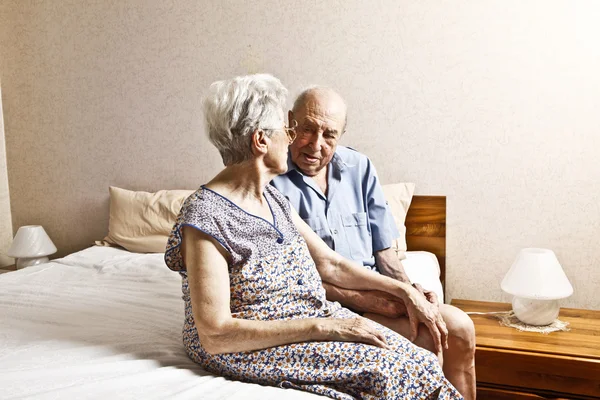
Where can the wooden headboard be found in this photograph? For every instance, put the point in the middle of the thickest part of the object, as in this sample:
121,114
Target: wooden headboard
426,228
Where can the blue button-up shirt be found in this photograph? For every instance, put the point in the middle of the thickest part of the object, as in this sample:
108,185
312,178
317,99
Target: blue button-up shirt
354,218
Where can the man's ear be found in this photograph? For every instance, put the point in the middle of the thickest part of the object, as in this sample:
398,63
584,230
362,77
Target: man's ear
290,117
259,142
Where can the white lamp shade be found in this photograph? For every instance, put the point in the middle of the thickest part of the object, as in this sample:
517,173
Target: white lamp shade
537,274
31,241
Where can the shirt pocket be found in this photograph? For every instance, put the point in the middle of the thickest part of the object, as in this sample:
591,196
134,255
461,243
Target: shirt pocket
358,236
315,224
355,219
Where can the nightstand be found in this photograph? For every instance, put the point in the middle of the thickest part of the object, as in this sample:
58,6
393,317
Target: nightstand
527,365
8,268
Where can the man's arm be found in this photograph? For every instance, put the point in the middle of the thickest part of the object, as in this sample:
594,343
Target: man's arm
384,230
389,264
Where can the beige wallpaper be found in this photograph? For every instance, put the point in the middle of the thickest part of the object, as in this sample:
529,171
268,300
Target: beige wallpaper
5,217
491,103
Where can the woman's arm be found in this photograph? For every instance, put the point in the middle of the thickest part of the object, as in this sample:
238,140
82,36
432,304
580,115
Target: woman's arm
376,301
219,332
389,264
366,301
337,270
343,273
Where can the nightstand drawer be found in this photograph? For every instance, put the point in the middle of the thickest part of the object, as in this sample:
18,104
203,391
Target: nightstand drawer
492,393
538,371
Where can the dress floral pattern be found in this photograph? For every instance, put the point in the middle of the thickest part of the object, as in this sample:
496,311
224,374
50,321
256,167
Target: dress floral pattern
273,277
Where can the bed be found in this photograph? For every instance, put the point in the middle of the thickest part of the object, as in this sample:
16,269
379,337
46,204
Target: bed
106,323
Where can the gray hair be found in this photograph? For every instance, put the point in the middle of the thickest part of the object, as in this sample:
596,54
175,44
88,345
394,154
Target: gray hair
235,108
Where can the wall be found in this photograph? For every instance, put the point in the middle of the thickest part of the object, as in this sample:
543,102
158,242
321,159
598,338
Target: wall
491,103
5,217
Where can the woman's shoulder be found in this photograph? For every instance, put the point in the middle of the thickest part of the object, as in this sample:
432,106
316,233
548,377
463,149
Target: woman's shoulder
280,203
276,194
193,200
203,204
200,196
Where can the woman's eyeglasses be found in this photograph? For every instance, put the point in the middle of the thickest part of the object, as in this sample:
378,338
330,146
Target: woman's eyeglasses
289,131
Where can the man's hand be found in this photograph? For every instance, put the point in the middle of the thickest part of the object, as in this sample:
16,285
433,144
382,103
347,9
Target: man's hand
420,310
428,294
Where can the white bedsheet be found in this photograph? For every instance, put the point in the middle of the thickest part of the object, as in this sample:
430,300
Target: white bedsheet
106,323
423,267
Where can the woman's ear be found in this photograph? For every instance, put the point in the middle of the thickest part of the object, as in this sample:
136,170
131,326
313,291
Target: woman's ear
260,142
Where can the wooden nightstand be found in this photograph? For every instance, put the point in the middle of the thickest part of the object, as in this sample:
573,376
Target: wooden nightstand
527,365
8,268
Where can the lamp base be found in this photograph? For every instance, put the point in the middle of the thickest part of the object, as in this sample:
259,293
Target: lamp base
535,312
29,262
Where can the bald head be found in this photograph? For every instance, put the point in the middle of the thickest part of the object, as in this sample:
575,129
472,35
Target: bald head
316,96
321,116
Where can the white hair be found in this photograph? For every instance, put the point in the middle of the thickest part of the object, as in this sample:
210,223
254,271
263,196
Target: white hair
235,108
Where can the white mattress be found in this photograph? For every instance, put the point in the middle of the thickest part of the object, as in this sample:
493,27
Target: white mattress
106,323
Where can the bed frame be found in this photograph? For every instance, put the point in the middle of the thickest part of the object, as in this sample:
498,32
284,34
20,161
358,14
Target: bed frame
426,229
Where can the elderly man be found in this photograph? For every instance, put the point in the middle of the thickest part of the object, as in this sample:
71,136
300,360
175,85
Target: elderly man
336,191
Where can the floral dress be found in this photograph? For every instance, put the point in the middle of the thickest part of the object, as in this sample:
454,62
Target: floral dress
273,277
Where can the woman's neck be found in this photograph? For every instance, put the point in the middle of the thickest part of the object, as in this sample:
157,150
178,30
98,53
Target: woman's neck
245,181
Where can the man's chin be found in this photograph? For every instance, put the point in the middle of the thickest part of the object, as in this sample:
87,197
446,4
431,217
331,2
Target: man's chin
312,171
308,168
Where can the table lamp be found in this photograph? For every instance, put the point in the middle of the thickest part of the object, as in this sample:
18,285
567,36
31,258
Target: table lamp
31,246
537,281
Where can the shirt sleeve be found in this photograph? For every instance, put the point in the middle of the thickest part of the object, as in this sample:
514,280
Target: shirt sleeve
381,222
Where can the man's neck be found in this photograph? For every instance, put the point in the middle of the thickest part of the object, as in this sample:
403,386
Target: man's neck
321,179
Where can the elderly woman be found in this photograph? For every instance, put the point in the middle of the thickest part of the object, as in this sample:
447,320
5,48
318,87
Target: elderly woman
252,273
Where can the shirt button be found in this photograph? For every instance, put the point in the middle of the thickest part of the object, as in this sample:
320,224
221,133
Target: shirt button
335,231
300,282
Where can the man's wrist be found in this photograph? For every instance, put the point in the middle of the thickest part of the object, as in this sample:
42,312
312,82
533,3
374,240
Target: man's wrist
402,277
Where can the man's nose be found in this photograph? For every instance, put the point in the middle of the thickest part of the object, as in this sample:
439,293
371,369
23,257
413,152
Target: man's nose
316,142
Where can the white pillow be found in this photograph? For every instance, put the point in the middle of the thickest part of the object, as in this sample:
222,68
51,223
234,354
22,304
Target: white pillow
399,196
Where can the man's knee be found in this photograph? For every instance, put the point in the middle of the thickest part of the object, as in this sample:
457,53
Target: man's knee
461,330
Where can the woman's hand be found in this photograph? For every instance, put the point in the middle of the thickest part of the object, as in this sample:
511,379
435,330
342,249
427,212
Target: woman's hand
351,330
420,310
